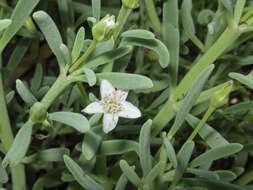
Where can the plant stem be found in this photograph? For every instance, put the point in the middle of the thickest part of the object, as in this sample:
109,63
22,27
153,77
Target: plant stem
6,135
245,179
121,21
163,117
152,13
167,113
60,85
225,40
201,123
83,58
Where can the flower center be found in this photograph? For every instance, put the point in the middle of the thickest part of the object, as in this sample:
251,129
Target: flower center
111,105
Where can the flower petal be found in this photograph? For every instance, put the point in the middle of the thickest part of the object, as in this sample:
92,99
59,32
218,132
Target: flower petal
121,95
95,107
109,122
129,111
106,89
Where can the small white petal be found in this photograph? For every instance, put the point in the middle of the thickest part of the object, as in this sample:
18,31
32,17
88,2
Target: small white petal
106,89
121,95
110,22
109,122
129,111
95,107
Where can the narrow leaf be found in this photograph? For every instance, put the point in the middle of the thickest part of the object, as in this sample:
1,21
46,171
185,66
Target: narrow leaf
75,120
49,155
154,173
108,57
153,44
130,173
25,93
3,174
4,23
65,54
19,15
212,137
188,24
170,152
190,99
183,156
19,146
78,45
246,80
144,147
139,33
121,183
117,147
90,145
50,32
84,180
216,153
126,81
96,7
91,76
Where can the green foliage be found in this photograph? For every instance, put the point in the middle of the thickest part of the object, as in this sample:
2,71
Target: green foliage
180,107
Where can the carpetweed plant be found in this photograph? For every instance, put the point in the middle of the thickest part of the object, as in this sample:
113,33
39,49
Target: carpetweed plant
126,94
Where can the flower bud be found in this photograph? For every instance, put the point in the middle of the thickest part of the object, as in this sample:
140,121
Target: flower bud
30,25
38,113
131,4
220,97
103,30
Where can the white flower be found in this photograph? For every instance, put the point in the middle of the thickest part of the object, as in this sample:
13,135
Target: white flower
110,22
114,105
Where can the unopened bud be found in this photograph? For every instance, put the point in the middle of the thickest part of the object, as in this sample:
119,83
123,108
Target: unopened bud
131,4
221,96
38,113
103,30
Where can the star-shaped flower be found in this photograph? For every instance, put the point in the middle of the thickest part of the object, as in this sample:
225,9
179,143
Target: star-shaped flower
114,105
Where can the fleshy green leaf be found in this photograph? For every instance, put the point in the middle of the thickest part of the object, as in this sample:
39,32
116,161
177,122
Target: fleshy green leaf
212,137
203,173
19,15
246,80
96,9
3,174
107,57
138,33
84,180
49,155
216,153
190,99
90,145
121,183
117,147
75,120
65,54
4,23
16,57
154,173
183,156
37,78
126,81
20,145
153,44
50,32
10,96
91,76
25,93
188,23
78,45
144,147
170,151
130,173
